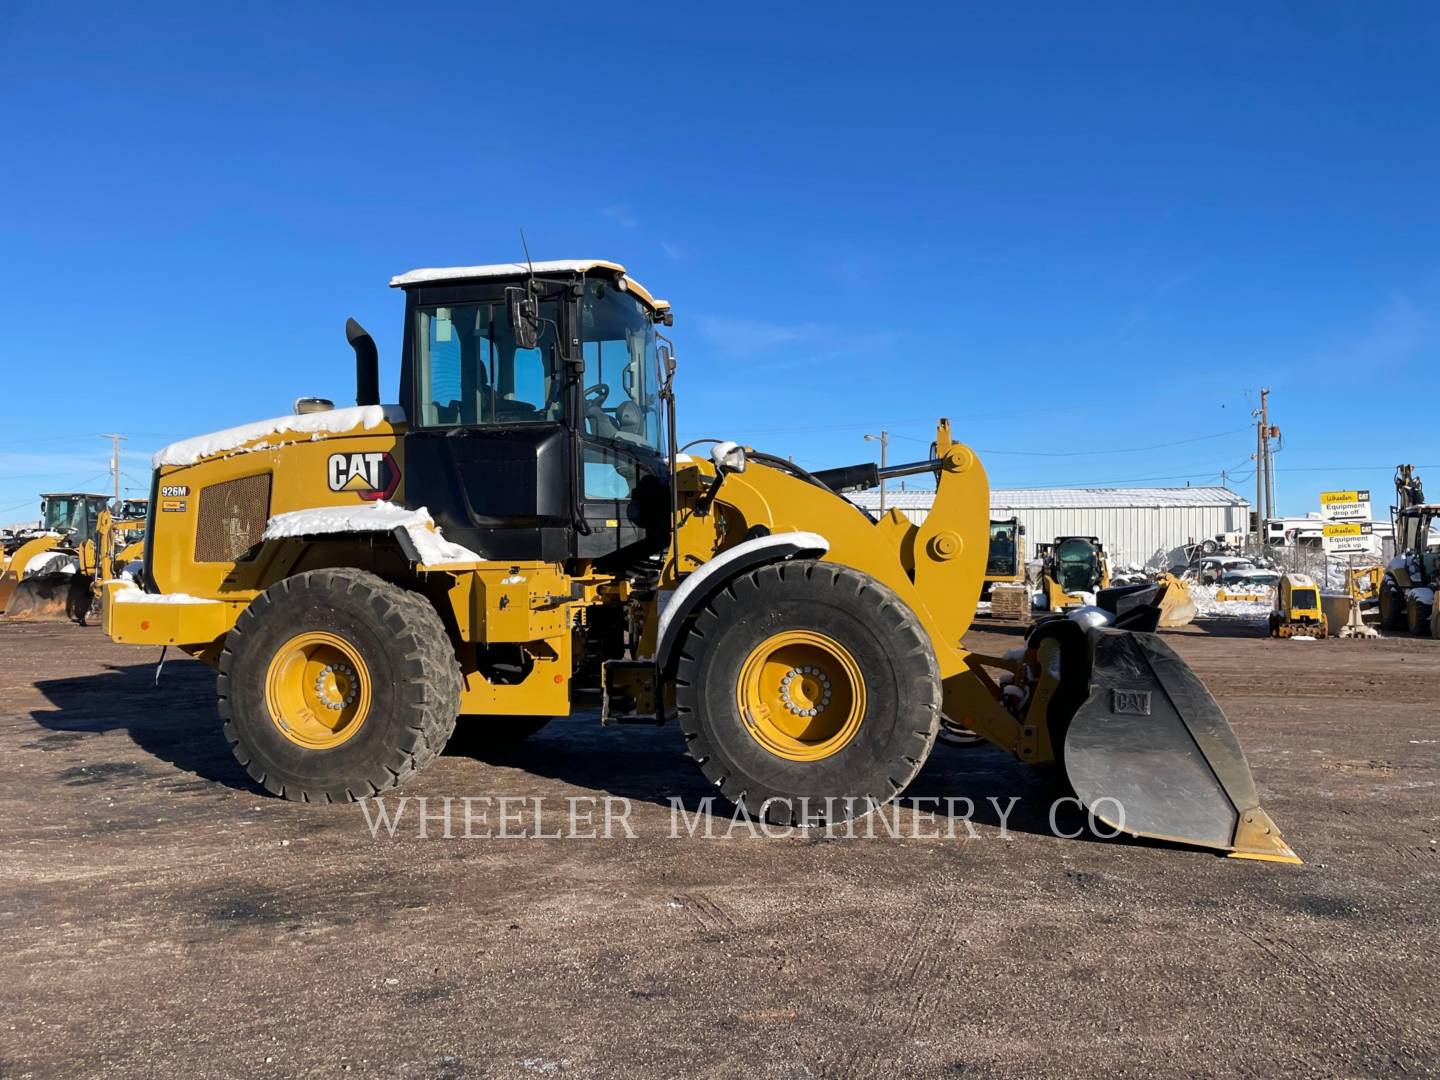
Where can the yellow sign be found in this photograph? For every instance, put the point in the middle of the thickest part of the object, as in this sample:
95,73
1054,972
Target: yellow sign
1345,528
1327,497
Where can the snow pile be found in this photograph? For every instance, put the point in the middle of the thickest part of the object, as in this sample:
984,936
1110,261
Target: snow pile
311,425
1207,603
1088,615
37,563
1424,596
379,516
129,594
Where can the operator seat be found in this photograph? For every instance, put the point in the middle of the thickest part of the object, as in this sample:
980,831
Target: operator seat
631,418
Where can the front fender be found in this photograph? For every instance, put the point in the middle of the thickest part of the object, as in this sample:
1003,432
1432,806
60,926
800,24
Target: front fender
704,580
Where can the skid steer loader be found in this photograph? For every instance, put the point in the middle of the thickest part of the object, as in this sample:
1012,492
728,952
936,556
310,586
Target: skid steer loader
522,532
52,575
1073,569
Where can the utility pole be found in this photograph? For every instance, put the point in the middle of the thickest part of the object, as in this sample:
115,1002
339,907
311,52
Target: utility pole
1259,485
884,440
115,441
1265,493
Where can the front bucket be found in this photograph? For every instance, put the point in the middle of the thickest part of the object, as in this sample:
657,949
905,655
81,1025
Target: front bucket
50,597
1150,753
1177,608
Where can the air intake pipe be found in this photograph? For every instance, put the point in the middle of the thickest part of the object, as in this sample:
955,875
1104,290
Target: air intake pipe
367,364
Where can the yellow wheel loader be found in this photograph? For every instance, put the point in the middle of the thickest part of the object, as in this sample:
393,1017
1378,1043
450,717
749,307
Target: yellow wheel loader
34,586
521,532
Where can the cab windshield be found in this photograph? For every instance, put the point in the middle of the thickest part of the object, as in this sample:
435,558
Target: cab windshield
1079,569
622,368
69,513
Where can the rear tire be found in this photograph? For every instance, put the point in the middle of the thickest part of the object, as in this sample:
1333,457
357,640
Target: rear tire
807,692
1392,605
389,704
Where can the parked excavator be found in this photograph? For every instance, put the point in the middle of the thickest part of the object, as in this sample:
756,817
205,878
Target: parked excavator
522,531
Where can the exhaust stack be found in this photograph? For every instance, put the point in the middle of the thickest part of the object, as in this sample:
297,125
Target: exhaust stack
367,364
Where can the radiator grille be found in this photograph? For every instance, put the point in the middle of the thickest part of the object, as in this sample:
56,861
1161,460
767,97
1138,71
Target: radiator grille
232,517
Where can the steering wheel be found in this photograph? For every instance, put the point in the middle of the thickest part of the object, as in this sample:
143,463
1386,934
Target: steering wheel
595,395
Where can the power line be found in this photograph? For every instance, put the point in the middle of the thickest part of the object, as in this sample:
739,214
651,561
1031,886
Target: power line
1124,450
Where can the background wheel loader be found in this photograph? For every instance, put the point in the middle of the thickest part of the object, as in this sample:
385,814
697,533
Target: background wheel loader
57,587
1407,590
522,532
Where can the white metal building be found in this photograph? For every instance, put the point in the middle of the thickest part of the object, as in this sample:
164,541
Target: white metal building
1137,526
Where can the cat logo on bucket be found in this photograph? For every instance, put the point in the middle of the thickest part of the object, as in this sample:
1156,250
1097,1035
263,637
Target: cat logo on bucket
370,474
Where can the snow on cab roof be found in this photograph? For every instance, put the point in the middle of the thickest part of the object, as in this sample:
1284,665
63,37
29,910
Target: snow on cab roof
549,266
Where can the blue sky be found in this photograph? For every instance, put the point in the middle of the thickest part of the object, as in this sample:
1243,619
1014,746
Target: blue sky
1086,233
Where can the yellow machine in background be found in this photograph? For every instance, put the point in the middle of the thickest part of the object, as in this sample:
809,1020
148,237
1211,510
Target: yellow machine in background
1297,608
1178,606
57,587
120,541
1005,560
1005,585
522,530
1071,568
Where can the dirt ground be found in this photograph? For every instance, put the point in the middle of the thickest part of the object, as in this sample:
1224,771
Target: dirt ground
162,916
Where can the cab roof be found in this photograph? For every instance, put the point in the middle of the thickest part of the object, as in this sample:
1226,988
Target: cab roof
499,270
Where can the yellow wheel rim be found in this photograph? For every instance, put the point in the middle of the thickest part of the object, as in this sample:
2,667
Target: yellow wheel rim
317,689
801,695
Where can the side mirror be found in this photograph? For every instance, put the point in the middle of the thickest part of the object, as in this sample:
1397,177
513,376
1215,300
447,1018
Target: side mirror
524,309
728,457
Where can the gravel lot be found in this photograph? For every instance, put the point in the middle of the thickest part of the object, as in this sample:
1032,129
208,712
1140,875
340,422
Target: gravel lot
162,916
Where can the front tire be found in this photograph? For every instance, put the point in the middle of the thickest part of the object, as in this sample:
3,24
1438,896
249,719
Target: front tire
336,685
1392,605
1417,617
807,692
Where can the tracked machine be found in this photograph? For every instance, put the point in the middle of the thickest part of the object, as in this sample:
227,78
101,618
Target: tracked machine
520,534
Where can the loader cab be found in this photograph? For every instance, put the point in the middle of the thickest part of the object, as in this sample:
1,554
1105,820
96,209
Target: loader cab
536,429
71,513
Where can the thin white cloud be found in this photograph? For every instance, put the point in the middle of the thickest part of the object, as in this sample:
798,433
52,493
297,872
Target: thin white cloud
621,215
1398,334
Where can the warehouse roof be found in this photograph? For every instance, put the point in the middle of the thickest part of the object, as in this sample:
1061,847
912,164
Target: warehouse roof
1069,498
